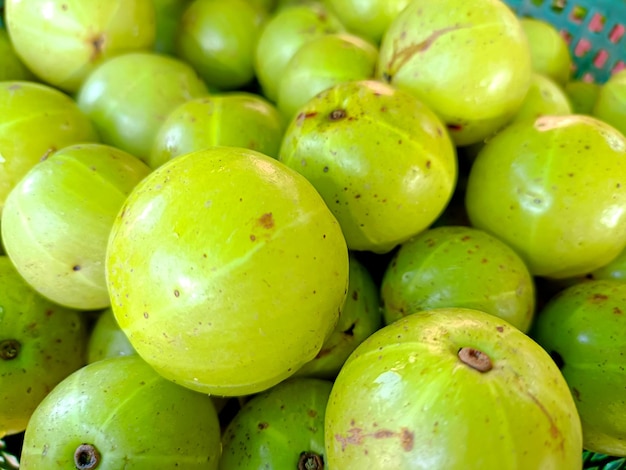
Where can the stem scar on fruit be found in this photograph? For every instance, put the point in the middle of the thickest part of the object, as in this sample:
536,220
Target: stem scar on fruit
475,359
310,461
9,349
86,457
337,114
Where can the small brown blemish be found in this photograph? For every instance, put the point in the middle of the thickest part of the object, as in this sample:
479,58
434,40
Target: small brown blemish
263,426
599,298
64,7
355,295
475,359
312,413
252,237
266,220
325,170
97,43
407,439
617,311
76,267
337,114
146,315
176,293
49,152
576,393
455,127
500,328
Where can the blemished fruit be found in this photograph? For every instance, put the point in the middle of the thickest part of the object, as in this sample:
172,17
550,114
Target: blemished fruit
11,66
360,317
25,106
281,428
205,273
468,60
382,160
583,329
554,190
549,52
321,63
57,219
458,267
107,339
454,389
281,37
544,98
367,18
62,42
128,112
41,343
120,412
236,119
219,39
610,105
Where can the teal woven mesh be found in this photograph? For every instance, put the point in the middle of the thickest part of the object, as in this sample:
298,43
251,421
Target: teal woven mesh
594,29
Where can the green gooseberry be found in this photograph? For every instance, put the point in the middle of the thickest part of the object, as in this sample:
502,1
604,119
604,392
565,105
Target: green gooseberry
321,63
281,428
25,106
236,119
544,98
582,95
468,60
582,327
62,42
458,267
41,343
381,159
553,189
119,411
128,97
219,38
360,317
549,53
453,389
281,37
11,66
610,105
56,221
226,270
107,339
168,16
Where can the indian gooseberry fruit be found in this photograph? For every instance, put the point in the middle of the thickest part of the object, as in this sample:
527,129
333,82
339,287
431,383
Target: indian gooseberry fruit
451,388
553,189
226,270
582,95
582,327
468,60
454,266
56,221
63,42
11,66
610,106
282,427
120,412
544,98
381,159
107,339
41,343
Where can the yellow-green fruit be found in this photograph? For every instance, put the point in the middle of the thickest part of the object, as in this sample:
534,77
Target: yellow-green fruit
454,389
469,61
41,343
107,339
226,270
11,66
555,191
544,98
582,95
549,52
611,103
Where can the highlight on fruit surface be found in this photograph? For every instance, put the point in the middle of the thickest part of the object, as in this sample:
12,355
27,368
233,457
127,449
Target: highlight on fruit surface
226,270
451,388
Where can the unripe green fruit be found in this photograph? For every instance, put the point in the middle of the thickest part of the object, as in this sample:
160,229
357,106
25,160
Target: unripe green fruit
11,66
544,98
107,339
611,103
582,95
226,270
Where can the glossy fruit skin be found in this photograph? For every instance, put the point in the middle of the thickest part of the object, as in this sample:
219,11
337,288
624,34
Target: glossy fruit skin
367,18
199,270
168,14
468,60
544,98
107,339
128,113
383,162
458,267
219,39
11,66
62,42
554,190
276,426
582,327
236,119
25,106
281,37
56,221
611,103
130,414
52,341
321,63
360,317
549,53
405,400
582,95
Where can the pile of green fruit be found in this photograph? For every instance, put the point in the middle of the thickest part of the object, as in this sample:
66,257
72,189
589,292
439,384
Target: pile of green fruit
301,234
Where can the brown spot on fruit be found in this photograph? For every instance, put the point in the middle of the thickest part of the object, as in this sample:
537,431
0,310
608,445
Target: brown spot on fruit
176,293
355,295
76,267
49,152
252,237
337,114
500,328
312,413
617,311
407,439
475,358
310,461
266,220
97,44
86,457
455,127
9,349
576,393
262,426
599,298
